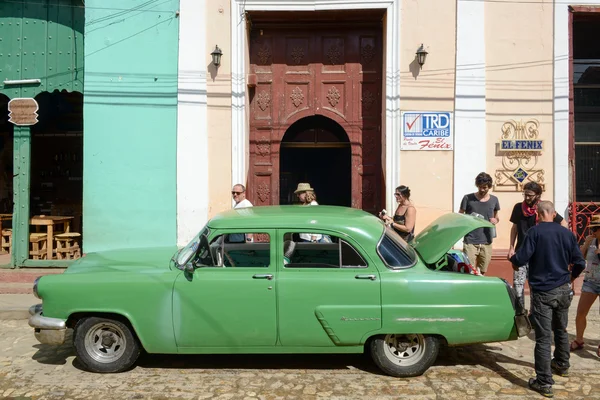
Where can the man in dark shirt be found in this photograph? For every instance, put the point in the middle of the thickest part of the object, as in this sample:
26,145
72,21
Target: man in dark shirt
478,243
549,249
524,217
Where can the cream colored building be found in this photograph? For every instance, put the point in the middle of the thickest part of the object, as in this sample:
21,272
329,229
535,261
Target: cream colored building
496,66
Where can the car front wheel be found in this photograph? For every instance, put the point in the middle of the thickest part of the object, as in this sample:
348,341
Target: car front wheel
404,355
105,345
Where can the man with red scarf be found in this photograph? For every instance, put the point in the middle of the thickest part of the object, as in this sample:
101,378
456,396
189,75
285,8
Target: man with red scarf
523,217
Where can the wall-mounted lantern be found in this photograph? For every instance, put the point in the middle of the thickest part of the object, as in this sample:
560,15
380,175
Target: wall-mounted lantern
421,55
216,56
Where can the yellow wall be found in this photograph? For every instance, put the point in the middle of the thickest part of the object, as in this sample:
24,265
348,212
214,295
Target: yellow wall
519,80
428,173
218,32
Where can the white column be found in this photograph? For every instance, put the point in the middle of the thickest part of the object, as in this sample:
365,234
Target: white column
238,93
192,135
392,103
470,144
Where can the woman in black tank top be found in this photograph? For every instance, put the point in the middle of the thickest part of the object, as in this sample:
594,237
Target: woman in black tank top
403,221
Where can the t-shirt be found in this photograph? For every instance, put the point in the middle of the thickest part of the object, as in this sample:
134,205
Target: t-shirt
524,223
243,204
471,204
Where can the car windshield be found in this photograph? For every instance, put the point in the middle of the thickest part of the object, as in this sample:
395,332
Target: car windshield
394,251
183,256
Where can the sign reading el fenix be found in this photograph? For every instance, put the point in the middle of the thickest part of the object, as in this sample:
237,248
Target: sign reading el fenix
23,111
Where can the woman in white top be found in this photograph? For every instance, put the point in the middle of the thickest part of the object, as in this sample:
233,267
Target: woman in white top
591,283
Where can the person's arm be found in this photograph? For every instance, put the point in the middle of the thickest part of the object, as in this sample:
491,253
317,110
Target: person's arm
463,205
494,220
409,221
586,245
525,252
513,238
577,260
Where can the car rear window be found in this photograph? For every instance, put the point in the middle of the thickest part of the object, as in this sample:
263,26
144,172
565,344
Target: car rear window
394,251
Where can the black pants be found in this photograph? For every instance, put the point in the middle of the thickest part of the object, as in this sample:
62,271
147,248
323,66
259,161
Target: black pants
550,314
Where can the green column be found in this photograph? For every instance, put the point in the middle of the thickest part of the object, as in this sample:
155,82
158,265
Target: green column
21,182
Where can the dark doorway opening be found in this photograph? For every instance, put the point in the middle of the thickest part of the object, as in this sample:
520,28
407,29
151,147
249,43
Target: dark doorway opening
316,150
57,175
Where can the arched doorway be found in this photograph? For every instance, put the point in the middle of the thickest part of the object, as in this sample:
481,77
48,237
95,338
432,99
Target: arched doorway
316,150
303,68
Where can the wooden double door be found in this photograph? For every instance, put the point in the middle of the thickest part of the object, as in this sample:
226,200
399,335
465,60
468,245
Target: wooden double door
302,69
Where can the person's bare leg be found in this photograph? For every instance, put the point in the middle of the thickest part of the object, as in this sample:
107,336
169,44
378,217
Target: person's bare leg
583,308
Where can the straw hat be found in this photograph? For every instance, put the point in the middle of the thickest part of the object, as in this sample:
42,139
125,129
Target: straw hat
303,187
595,220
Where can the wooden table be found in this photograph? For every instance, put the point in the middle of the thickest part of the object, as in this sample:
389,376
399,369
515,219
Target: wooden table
49,221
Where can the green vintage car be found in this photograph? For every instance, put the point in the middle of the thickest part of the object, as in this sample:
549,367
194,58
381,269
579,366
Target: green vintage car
283,279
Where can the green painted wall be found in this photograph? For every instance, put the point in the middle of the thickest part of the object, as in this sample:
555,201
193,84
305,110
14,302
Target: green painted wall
130,123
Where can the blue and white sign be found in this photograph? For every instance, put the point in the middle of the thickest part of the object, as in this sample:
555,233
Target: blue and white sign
427,131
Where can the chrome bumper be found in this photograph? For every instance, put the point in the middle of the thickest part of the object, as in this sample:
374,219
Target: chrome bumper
47,330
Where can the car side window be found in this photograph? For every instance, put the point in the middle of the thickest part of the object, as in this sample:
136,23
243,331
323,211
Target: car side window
241,250
314,250
395,252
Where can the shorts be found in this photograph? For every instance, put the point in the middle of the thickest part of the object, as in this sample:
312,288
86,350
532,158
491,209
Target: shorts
591,287
479,255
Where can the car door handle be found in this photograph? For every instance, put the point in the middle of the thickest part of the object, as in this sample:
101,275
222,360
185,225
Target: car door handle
263,276
364,276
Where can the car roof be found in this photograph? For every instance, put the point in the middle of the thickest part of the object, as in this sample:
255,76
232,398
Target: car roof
341,219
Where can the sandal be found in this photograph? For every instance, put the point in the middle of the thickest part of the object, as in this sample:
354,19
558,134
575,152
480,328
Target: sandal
575,345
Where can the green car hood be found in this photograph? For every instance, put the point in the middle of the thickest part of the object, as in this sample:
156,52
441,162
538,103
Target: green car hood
142,259
436,239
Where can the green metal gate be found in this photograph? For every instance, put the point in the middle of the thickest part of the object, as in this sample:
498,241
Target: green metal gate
41,50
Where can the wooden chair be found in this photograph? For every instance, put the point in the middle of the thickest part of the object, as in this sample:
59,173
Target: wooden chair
6,241
37,250
67,247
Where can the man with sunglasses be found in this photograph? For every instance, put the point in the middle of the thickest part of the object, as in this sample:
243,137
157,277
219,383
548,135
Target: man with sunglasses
523,218
238,193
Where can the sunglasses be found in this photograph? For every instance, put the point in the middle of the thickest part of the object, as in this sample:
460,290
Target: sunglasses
595,228
236,193
396,194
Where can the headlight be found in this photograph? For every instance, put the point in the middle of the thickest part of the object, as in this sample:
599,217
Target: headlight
35,287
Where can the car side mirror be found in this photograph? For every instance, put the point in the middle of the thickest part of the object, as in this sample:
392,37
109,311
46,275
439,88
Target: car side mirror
189,268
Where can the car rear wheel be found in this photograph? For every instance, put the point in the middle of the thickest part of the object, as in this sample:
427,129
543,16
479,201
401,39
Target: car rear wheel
404,355
105,345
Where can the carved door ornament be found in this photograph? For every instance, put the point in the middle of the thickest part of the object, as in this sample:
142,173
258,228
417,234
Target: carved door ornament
297,54
297,96
368,99
333,54
520,148
263,192
333,95
263,147
264,54
263,100
367,53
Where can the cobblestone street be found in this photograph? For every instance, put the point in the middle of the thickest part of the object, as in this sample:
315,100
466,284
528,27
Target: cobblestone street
29,370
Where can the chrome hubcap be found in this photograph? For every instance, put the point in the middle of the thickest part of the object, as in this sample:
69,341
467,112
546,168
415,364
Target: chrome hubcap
105,342
404,350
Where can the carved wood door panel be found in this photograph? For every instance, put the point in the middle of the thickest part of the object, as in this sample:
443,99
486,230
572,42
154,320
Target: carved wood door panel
328,70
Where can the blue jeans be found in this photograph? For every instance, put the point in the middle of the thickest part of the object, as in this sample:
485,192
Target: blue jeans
550,314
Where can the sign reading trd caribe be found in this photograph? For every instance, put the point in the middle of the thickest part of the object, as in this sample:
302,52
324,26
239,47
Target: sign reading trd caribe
427,131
